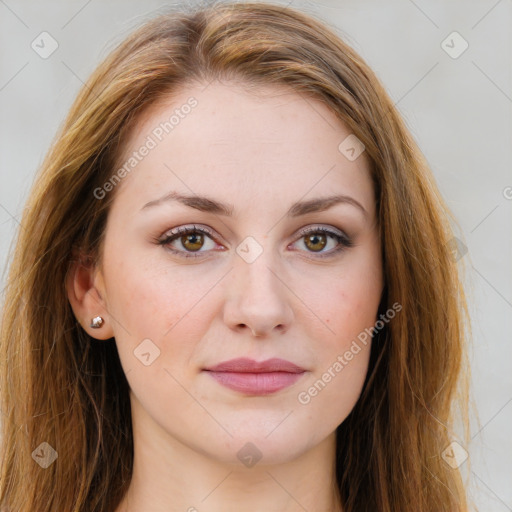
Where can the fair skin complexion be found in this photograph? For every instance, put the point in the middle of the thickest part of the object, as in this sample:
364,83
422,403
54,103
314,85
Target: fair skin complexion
259,153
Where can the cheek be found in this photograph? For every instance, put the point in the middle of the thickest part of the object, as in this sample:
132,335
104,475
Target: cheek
151,298
336,383
345,356
166,305
349,304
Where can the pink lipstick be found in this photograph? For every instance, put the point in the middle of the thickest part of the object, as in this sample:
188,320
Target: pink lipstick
256,378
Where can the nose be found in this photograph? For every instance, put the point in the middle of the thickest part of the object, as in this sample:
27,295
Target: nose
258,298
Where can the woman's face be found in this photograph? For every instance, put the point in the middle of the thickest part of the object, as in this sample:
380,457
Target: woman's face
260,282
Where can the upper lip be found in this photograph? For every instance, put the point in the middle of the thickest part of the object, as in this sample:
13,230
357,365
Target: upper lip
246,365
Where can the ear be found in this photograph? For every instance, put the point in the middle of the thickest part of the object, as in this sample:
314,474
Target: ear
86,293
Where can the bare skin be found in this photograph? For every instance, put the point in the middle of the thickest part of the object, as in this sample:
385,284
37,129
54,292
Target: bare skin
259,153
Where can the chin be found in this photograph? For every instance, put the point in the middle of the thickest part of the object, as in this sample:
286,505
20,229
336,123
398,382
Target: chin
257,447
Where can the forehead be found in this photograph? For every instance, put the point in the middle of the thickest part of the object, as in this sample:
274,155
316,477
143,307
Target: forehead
263,144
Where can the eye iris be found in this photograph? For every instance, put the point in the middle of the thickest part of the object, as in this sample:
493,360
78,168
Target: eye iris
313,237
192,238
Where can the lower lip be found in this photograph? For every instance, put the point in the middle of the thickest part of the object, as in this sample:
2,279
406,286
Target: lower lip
256,383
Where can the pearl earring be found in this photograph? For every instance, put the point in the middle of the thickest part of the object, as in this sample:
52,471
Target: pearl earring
97,322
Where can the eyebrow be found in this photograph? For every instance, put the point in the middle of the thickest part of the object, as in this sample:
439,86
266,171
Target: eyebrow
208,205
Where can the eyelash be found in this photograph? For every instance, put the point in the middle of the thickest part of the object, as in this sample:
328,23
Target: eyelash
343,241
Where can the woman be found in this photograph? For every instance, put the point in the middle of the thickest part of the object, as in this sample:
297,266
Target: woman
233,286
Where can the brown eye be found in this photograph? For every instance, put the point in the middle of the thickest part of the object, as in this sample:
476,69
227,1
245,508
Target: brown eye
317,239
316,242
185,241
192,242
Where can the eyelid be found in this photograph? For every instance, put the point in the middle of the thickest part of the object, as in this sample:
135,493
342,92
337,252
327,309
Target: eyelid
322,228
185,229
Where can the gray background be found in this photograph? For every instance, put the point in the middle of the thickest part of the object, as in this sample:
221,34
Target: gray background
458,109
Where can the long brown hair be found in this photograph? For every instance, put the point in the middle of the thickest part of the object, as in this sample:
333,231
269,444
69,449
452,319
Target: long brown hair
63,388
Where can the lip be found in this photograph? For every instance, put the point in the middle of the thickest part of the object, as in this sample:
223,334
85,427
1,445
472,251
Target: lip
256,378
246,365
